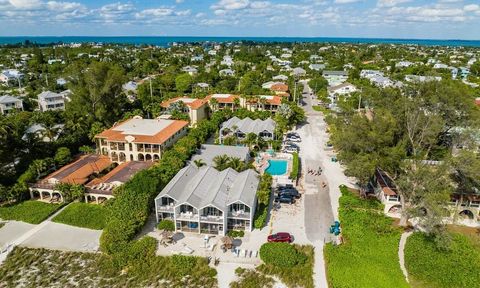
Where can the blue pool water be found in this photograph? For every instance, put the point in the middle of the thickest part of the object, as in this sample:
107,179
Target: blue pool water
277,167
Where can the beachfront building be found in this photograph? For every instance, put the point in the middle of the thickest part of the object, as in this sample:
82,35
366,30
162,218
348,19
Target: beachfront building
240,128
9,104
49,101
205,200
100,189
77,172
197,109
222,101
139,139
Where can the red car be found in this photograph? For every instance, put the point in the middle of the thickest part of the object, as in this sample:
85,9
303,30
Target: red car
280,237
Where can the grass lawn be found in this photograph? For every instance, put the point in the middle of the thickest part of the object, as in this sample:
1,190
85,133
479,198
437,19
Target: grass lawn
369,255
30,211
455,268
83,215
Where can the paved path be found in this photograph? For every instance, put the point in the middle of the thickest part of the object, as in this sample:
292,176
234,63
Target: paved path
401,252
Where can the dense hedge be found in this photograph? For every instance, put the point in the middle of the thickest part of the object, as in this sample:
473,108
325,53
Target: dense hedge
166,225
369,255
84,215
295,166
281,255
129,210
263,195
457,267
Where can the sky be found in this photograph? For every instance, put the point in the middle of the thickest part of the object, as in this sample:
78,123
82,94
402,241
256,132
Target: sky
412,19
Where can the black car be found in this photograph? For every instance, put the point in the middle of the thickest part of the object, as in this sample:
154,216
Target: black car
285,186
289,193
294,134
284,199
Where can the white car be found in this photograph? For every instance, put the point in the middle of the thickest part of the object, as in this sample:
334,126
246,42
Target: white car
290,149
294,138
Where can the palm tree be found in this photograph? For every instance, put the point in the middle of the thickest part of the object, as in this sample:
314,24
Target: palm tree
213,103
236,164
221,162
250,139
236,103
199,163
263,101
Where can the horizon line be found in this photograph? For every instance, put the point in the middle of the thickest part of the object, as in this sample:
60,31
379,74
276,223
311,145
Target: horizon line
286,37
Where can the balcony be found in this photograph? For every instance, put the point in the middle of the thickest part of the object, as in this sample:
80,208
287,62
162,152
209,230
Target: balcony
42,186
166,208
239,214
211,218
188,216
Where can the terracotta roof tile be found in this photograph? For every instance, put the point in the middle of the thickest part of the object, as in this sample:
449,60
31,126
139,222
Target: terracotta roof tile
280,87
195,104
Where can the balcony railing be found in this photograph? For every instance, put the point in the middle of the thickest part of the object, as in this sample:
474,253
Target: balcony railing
166,208
42,186
239,214
211,218
187,216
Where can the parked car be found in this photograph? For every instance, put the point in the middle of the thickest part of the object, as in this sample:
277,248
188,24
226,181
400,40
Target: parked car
285,186
290,149
293,134
289,143
289,193
280,237
294,138
284,199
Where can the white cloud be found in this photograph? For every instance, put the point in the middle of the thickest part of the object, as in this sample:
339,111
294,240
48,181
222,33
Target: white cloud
345,1
391,3
65,6
471,8
26,4
231,4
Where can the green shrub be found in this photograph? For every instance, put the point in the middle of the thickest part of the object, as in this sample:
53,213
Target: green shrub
236,233
249,278
457,267
183,264
263,195
295,166
281,255
369,255
30,211
166,225
83,215
260,216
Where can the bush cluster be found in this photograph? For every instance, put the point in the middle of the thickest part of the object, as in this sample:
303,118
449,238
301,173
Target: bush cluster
281,255
166,225
236,233
263,195
295,166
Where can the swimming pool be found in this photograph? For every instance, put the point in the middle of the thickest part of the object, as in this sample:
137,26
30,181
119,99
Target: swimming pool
277,167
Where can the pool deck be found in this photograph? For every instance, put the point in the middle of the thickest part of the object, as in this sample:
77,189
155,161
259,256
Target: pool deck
263,164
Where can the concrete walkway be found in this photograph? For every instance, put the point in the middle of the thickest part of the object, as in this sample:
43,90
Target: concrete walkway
401,253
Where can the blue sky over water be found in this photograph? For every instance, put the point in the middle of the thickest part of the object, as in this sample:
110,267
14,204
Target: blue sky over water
432,19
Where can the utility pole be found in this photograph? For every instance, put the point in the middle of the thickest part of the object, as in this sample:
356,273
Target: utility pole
295,90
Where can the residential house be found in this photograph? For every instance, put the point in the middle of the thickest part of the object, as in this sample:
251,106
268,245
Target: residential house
335,77
9,103
264,103
197,109
77,172
404,64
239,128
280,77
223,101
139,139
100,189
340,90
48,101
40,132
207,153
226,72
386,191
205,200
11,77
191,70
417,78
299,72
316,67
227,60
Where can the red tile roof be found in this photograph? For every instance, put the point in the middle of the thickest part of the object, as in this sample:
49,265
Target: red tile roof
158,138
223,98
279,87
195,104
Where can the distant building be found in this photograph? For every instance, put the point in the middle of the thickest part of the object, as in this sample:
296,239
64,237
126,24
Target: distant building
197,109
417,78
299,72
226,72
11,77
335,77
316,67
240,128
49,101
9,103
139,139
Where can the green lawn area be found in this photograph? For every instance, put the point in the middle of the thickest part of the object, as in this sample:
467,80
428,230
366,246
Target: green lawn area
429,267
83,215
30,211
369,255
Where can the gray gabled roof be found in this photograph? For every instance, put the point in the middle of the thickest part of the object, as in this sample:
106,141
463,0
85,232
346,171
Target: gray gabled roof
8,99
205,186
248,125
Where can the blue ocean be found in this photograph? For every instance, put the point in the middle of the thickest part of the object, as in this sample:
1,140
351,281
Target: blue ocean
168,40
